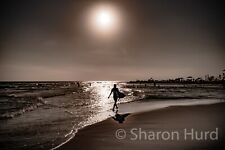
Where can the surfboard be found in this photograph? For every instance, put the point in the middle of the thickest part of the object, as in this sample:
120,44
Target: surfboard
121,95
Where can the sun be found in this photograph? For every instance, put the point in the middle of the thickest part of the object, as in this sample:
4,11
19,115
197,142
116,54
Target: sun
104,19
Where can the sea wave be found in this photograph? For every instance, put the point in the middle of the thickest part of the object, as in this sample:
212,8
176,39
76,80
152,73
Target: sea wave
18,106
174,97
17,98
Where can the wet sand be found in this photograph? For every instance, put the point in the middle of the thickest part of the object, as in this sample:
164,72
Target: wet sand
175,119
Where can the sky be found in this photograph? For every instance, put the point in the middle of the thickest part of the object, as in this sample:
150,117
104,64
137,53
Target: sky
46,40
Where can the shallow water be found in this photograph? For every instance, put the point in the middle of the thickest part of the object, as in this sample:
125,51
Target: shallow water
42,115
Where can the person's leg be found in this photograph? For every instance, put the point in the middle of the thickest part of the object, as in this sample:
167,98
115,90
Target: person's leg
114,105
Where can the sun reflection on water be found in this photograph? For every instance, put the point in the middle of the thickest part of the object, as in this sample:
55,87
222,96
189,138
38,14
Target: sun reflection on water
100,106
101,91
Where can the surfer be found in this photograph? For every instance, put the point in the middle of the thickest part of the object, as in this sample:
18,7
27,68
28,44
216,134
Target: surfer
115,92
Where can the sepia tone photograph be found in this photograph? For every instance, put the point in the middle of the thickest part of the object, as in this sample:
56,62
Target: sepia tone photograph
112,75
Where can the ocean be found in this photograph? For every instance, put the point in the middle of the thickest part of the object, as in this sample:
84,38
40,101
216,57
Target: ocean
44,115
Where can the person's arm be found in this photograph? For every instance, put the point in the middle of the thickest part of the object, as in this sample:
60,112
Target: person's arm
110,93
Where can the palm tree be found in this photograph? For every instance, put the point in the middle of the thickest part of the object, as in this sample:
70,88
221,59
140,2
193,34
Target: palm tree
189,78
223,80
224,74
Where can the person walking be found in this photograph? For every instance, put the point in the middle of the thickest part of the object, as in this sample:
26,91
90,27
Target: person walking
115,92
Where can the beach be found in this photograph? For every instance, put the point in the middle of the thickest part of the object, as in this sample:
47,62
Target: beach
110,134
45,115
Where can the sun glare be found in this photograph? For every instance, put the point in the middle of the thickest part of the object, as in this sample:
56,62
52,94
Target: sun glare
104,19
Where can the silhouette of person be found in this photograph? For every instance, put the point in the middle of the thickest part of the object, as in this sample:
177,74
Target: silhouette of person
120,117
115,92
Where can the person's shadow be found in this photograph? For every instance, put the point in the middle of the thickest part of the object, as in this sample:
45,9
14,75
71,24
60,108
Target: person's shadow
120,117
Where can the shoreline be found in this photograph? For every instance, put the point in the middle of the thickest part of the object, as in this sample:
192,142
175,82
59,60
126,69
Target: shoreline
102,134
